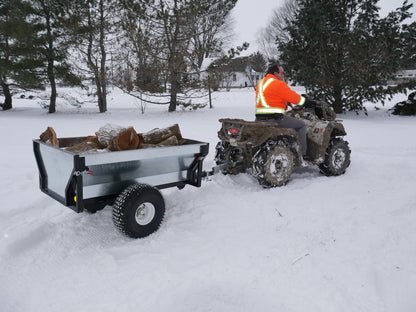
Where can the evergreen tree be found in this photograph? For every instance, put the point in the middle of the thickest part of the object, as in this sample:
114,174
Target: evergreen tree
343,52
19,62
49,16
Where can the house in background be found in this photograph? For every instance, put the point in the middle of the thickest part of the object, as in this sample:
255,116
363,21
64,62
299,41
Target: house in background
404,75
240,72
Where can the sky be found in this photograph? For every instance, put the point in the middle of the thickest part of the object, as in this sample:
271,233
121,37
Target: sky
251,15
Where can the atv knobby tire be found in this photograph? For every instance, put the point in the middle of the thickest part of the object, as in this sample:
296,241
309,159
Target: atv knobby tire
337,158
221,151
273,165
231,157
139,210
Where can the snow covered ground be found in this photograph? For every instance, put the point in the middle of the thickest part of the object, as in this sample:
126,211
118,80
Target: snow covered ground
318,244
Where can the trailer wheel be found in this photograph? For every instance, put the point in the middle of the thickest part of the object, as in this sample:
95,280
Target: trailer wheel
139,210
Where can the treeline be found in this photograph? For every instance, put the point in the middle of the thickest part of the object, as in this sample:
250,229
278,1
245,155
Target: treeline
146,45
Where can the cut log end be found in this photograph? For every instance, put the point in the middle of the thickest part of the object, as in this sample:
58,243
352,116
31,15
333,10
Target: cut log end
49,136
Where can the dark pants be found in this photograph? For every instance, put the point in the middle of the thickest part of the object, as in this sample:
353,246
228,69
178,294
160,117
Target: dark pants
284,121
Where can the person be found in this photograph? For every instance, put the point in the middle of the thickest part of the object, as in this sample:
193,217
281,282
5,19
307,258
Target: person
272,95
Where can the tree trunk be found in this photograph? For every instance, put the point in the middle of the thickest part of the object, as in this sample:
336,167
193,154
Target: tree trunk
102,102
173,100
52,104
50,58
338,105
51,77
98,70
7,96
174,89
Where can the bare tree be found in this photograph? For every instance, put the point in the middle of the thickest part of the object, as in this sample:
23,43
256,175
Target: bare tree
170,39
276,29
92,28
211,28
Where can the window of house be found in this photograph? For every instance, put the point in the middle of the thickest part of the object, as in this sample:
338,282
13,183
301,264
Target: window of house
234,77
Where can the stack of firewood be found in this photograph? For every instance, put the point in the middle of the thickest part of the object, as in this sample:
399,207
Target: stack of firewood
116,138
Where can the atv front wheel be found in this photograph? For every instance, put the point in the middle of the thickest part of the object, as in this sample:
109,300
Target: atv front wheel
139,210
273,165
337,158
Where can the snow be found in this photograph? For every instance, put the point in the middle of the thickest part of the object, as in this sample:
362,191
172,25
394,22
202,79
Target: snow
317,244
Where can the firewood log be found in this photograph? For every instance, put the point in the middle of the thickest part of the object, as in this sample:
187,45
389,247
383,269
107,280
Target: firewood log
84,147
106,133
156,136
170,141
116,138
49,136
127,139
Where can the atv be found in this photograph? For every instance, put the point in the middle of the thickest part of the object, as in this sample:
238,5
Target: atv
270,153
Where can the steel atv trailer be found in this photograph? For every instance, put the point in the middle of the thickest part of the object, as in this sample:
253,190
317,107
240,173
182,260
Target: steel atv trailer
128,180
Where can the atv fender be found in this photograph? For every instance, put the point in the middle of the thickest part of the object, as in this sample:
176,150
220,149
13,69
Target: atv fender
254,133
319,136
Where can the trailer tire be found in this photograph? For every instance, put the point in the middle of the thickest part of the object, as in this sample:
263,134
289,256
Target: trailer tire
139,210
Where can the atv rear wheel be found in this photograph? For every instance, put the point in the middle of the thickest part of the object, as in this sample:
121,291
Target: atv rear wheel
337,158
273,165
231,157
221,152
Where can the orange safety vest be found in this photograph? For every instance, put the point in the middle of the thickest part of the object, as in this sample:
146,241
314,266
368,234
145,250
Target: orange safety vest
273,94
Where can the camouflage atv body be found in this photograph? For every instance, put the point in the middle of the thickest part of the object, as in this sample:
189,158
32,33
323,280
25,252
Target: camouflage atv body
270,153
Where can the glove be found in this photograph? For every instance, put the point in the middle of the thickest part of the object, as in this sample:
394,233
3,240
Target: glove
309,103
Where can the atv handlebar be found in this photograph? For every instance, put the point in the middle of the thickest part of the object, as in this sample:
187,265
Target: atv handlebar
319,108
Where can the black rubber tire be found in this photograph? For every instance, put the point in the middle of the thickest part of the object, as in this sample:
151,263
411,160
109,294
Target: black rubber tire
273,165
221,151
224,152
337,158
139,210
96,206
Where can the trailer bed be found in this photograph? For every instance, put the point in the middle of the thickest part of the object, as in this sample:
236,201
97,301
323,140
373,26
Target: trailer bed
88,180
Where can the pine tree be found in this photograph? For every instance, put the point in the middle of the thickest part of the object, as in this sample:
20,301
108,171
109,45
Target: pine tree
19,62
49,16
343,52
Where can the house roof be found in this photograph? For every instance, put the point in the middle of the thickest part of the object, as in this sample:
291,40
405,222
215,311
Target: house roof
238,64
